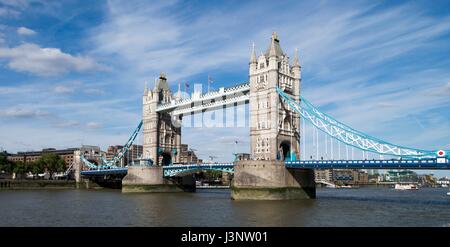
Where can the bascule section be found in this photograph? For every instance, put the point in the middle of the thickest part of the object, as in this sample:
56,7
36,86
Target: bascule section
274,131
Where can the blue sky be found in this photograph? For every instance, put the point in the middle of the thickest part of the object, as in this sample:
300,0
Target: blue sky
73,72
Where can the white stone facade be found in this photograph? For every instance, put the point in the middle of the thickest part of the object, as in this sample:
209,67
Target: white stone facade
162,140
274,129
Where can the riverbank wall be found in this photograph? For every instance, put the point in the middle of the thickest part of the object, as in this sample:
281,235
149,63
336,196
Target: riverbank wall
12,184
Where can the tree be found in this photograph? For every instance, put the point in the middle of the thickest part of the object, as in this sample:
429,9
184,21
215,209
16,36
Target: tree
35,167
51,163
20,168
5,164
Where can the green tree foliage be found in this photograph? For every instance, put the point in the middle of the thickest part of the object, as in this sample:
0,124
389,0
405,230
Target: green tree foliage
51,163
35,167
5,164
20,167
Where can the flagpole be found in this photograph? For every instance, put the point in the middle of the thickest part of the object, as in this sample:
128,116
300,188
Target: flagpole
235,150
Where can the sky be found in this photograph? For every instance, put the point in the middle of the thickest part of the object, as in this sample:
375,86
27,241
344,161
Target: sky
73,72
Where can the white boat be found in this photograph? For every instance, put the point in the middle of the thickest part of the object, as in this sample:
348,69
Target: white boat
405,187
448,193
347,187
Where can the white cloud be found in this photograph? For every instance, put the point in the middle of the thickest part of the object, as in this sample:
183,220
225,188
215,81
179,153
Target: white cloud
77,86
64,89
93,125
68,123
46,61
154,38
25,31
8,12
23,113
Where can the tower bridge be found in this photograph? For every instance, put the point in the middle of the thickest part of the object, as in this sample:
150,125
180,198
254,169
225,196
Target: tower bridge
278,169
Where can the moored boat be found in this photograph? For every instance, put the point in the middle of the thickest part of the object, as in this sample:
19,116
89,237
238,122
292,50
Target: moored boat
405,187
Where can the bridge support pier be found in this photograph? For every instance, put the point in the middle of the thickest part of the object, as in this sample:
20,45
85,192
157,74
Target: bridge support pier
271,180
151,179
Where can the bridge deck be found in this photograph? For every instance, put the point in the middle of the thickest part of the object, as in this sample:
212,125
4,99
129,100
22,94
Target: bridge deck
98,172
431,164
173,170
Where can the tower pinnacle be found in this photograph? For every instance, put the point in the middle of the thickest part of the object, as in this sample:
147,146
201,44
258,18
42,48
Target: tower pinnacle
296,63
145,88
253,56
274,48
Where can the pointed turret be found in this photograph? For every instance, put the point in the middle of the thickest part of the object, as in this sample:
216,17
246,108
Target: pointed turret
296,63
296,68
178,96
253,56
274,48
146,88
155,87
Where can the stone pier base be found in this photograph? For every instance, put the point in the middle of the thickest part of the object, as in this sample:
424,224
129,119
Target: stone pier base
271,180
151,179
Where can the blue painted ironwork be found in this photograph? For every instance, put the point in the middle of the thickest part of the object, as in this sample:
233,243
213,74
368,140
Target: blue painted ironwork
348,135
108,164
435,164
176,170
91,165
119,155
115,171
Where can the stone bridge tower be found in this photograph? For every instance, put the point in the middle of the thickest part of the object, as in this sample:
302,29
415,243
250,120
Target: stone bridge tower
274,132
274,129
162,138
162,143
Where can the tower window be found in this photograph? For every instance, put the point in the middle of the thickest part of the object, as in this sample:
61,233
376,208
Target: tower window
261,65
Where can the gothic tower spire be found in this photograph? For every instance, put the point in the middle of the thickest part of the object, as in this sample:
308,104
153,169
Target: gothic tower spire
274,48
253,56
296,63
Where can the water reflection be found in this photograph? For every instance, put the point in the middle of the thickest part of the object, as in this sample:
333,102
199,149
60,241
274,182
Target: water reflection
354,207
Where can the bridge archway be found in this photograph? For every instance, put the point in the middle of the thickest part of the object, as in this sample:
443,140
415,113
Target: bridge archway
166,159
285,150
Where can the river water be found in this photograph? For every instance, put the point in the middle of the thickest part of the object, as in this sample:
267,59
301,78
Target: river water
333,207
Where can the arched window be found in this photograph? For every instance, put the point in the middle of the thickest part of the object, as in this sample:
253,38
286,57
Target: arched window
287,123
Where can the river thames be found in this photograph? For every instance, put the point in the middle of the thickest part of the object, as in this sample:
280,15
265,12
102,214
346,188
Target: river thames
333,207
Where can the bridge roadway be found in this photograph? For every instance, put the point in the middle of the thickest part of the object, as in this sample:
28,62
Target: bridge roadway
175,170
